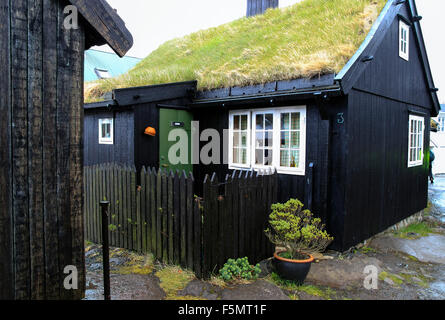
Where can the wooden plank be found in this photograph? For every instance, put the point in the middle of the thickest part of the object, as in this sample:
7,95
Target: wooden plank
189,221
170,215
19,54
183,219
143,226
242,216
139,220
153,210
35,152
206,237
135,226
177,217
164,217
215,250
125,213
76,231
6,236
149,202
197,238
235,212
159,215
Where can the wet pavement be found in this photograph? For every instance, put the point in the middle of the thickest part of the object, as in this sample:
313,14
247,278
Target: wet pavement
436,194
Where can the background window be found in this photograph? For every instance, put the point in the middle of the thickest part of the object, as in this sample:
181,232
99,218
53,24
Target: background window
403,40
290,140
264,139
106,131
416,134
240,139
268,138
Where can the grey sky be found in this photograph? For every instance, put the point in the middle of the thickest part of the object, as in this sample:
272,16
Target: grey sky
153,22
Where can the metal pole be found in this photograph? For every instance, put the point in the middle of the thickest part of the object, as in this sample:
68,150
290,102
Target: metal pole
105,249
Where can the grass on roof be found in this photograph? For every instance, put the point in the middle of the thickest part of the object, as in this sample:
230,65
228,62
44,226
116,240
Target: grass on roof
310,38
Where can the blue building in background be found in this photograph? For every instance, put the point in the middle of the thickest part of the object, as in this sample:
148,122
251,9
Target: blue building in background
104,65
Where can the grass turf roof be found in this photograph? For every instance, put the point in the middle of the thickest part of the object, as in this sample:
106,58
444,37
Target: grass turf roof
310,38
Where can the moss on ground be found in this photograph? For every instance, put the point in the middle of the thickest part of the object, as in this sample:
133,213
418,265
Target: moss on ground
414,231
174,279
293,288
308,39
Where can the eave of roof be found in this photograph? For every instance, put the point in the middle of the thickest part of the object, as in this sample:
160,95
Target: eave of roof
106,25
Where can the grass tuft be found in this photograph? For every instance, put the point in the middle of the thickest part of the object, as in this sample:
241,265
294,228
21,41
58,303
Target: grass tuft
414,231
308,39
174,279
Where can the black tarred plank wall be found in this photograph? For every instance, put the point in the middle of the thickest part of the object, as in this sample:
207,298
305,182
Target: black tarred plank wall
380,188
41,215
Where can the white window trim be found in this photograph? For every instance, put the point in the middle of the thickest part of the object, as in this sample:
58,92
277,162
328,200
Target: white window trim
231,116
404,26
417,162
103,140
301,170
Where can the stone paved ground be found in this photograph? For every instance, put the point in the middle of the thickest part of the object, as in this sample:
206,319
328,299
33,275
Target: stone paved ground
409,269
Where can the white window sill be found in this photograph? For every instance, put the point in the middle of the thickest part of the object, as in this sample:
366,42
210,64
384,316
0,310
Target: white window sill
415,164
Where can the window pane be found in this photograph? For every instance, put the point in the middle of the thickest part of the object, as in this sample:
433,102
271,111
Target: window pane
236,136
294,158
295,140
259,156
285,139
243,139
295,121
259,122
269,121
259,140
268,138
285,121
244,122
284,158
243,156
236,122
236,155
267,157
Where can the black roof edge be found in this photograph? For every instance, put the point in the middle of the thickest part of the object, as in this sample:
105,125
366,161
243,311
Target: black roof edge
270,98
267,88
155,93
107,104
424,56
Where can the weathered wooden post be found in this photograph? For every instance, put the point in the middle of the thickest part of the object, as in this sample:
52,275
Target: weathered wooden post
41,125
105,249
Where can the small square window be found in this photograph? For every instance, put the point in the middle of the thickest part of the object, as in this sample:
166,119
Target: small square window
106,131
403,40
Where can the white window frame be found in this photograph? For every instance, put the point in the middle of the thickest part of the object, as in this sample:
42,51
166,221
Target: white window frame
276,144
232,114
419,138
104,140
404,43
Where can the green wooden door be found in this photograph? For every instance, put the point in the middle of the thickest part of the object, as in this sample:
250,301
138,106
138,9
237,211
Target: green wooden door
171,119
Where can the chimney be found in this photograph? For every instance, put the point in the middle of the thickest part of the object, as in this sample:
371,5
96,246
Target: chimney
255,7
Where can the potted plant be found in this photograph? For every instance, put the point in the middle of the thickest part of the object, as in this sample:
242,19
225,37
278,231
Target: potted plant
300,235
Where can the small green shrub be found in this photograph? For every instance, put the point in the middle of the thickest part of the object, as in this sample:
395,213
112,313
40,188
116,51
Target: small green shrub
296,229
239,269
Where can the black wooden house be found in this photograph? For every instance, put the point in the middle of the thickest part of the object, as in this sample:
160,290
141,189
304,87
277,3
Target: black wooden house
353,145
41,176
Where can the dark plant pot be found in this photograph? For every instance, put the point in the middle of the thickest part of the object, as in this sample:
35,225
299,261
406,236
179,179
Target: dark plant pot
294,270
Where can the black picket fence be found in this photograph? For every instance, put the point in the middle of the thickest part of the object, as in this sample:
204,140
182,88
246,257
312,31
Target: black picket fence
163,216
